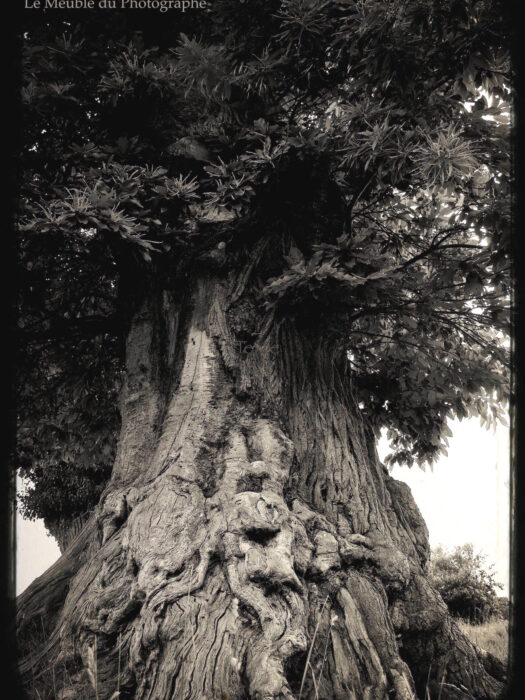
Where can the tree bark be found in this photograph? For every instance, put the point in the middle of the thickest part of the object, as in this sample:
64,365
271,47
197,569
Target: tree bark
249,543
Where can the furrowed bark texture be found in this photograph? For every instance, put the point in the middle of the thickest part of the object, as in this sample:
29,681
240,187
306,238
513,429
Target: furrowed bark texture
249,543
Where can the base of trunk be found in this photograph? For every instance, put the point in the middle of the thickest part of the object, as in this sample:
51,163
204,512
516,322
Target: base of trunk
249,543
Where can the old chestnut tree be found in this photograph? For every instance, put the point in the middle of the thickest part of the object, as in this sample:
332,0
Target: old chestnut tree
251,237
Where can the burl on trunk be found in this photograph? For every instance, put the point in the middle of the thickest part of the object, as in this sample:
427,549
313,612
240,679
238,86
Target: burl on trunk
249,543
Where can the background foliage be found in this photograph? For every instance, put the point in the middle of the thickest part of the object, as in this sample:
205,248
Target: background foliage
466,583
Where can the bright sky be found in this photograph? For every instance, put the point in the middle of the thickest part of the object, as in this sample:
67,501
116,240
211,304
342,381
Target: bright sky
464,499
35,551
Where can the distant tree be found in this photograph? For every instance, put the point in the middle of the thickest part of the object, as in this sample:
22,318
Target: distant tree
502,608
467,585
250,237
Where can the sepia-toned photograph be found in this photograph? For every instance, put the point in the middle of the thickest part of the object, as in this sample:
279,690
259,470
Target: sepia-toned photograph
264,398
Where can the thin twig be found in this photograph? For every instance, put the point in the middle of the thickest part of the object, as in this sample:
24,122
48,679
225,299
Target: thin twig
442,682
427,691
96,669
311,649
118,671
315,683
191,625
325,651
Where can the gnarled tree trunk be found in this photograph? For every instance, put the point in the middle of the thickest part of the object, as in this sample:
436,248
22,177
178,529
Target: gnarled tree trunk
249,543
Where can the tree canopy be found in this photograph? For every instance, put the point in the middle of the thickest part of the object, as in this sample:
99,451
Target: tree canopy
365,144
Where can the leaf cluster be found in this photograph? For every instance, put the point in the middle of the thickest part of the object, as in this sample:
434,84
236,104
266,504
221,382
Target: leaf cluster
363,145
